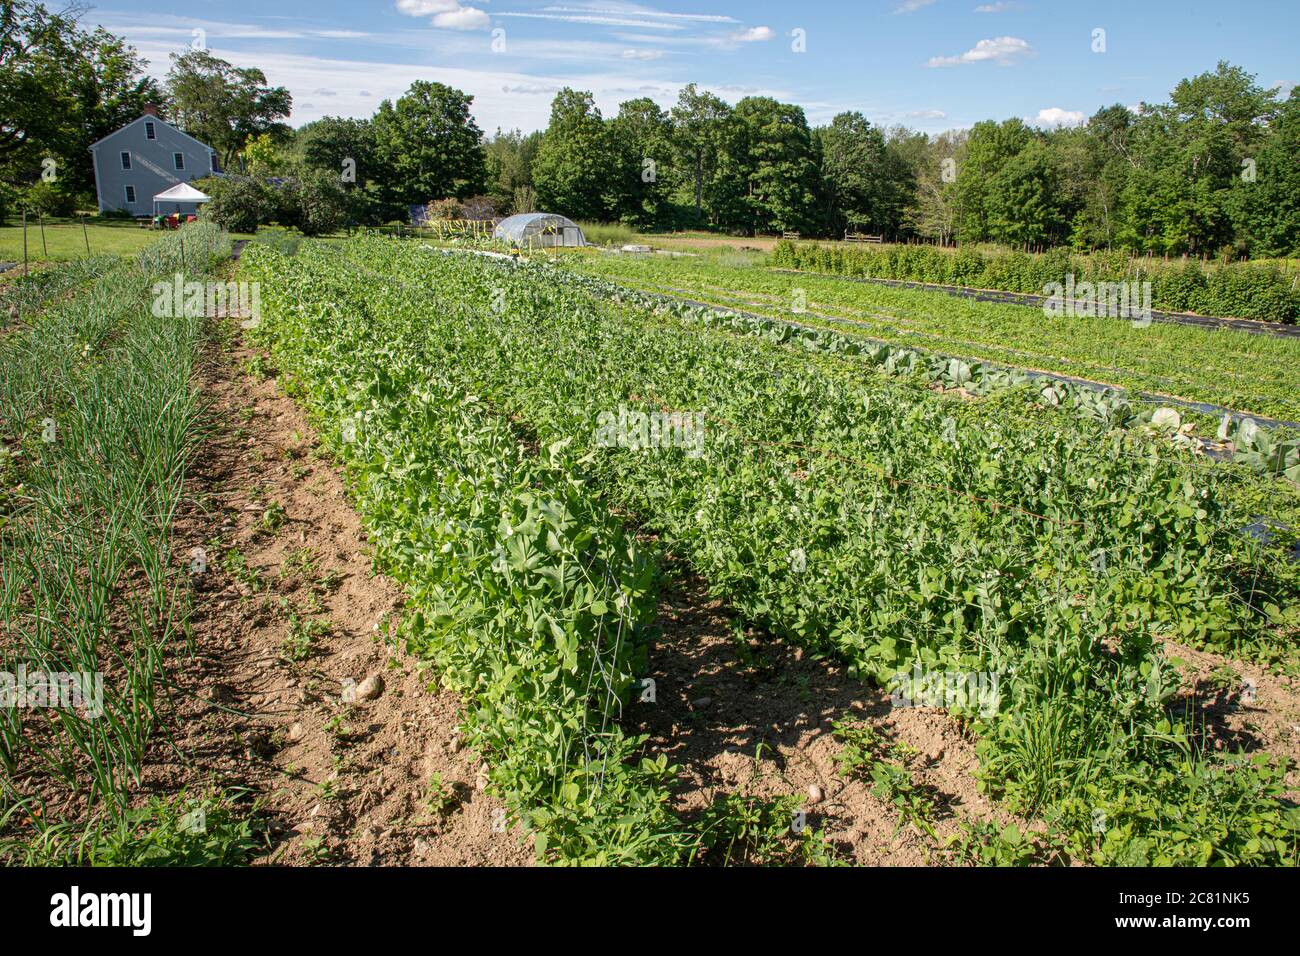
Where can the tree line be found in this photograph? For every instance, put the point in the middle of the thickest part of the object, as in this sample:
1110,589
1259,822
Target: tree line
1213,171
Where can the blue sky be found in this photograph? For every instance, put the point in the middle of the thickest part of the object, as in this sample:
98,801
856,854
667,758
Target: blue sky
928,64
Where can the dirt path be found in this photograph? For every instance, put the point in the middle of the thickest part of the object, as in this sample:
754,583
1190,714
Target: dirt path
747,714
1242,706
298,690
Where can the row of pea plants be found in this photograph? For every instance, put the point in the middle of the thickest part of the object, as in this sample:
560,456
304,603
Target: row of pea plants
531,600
1258,453
871,520
99,419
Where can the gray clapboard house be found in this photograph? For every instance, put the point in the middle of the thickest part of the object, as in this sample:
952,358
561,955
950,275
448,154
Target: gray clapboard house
143,158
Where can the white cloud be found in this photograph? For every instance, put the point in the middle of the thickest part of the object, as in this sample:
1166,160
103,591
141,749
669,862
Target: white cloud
426,8
642,54
754,35
927,114
911,6
183,27
1055,116
1001,50
531,89
502,98
599,19
636,9
466,18
447,46
1002,6
445,14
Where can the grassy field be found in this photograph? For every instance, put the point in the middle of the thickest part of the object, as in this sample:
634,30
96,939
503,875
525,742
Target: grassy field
618,234
603,234
65,240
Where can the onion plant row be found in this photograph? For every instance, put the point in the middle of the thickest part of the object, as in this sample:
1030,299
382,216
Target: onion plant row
23,295
99,418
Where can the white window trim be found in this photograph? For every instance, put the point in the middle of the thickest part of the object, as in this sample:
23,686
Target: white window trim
178,161
127,191
124,157
150,130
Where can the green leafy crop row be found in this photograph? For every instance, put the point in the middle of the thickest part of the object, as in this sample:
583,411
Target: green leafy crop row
1251,373
1264,451
533,602
955,538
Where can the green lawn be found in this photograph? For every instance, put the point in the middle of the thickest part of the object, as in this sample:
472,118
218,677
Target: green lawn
65,240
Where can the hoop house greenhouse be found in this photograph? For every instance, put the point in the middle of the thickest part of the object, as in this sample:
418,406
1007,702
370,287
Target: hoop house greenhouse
542,229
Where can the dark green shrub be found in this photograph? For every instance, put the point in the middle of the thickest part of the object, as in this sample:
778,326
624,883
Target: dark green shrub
239,203
8,202
321,205
48,199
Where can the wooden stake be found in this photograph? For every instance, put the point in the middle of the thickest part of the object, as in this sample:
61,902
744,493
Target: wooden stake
40,218
85,235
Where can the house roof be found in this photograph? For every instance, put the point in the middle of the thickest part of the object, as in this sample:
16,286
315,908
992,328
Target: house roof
154,119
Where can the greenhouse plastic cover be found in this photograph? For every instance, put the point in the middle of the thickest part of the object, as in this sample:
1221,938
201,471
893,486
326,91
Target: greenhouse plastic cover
518,229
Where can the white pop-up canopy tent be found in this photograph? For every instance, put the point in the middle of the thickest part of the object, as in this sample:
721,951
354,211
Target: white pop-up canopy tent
180,193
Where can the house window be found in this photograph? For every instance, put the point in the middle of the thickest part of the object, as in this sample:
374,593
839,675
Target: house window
178,160
130,195
126,160
149,131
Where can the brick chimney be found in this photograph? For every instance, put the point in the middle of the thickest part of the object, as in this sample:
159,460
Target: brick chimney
151,110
